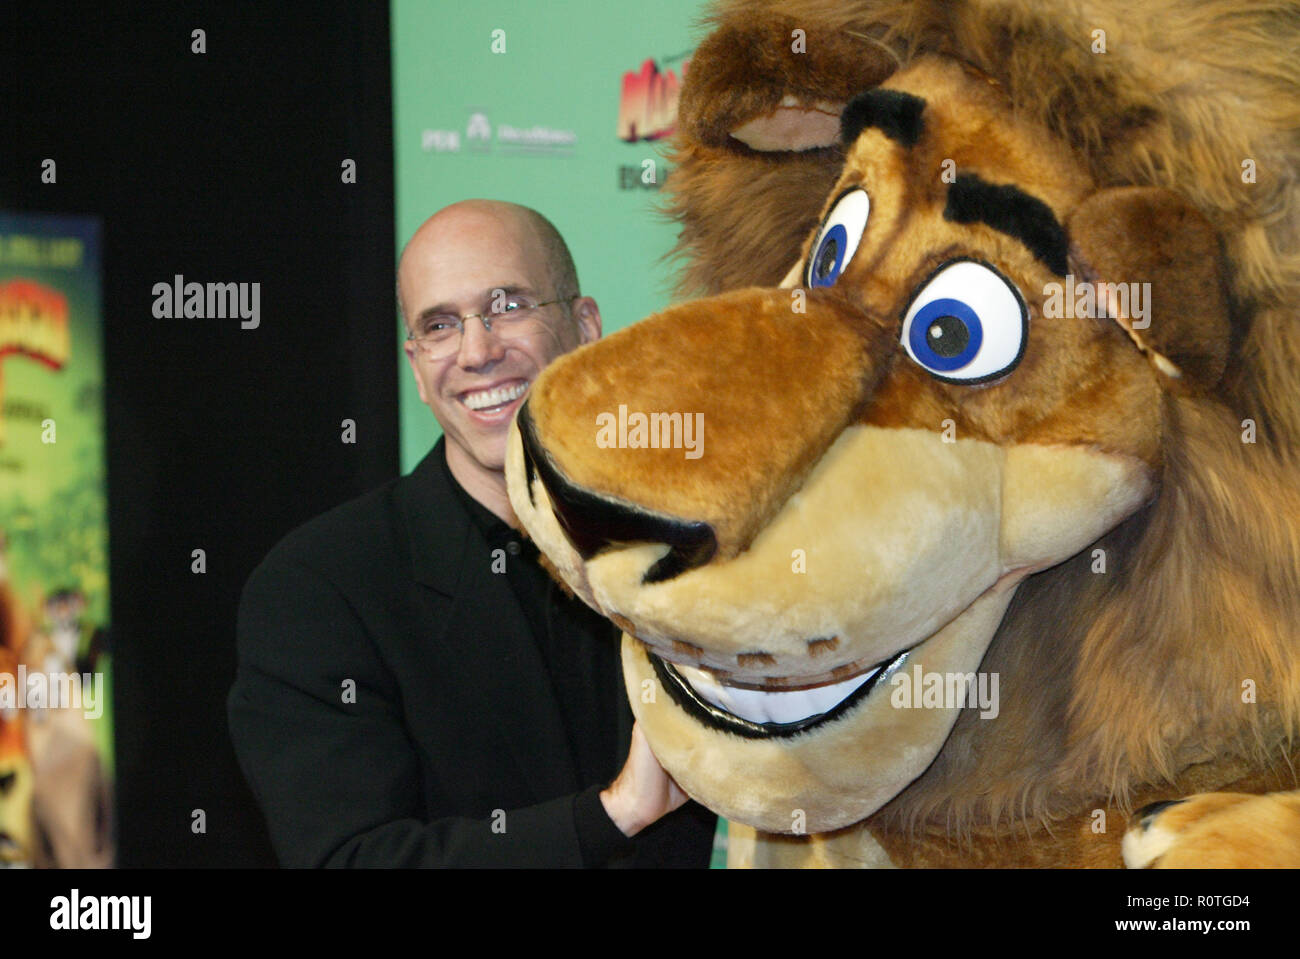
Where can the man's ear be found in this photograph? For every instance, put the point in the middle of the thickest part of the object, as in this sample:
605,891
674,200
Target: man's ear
1169,260
413,359
586,314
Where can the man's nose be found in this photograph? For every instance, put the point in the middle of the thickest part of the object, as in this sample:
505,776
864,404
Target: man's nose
478,345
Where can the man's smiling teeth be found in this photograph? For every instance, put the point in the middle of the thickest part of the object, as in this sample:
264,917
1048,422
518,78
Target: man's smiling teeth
485,399
785,706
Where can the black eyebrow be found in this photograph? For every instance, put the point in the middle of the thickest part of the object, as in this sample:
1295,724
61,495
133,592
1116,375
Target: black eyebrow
1012,211
894,113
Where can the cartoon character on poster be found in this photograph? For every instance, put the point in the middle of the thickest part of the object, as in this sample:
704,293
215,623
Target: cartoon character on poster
55,740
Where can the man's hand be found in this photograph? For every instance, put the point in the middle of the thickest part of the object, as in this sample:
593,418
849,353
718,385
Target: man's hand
643,792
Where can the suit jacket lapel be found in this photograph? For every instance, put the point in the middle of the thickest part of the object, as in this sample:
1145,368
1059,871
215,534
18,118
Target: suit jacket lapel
485,640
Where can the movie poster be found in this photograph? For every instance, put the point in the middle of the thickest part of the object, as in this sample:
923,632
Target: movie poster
56,757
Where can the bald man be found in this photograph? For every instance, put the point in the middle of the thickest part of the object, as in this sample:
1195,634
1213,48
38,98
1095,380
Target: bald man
413,690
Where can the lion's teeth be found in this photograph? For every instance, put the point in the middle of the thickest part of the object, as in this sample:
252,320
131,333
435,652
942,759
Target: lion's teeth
757,706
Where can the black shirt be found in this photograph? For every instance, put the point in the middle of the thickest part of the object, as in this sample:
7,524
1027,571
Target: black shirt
581,651
578,645
450,722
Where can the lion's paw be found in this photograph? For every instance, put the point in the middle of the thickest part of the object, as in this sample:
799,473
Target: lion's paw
1216,830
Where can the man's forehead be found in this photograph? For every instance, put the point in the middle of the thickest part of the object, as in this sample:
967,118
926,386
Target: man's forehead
477,237
473,252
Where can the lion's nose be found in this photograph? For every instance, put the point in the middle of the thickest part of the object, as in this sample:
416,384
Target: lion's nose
594,523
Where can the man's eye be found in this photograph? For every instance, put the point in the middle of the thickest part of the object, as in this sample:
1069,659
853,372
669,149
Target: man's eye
511,304
436,327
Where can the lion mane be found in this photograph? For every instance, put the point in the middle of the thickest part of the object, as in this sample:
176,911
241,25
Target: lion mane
1186,657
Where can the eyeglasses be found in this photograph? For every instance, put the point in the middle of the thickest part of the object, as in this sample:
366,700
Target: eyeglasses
511,316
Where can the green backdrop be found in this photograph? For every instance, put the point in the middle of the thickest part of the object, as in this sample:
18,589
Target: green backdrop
521,102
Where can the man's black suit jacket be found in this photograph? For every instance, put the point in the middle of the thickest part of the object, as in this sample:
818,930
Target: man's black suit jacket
392,708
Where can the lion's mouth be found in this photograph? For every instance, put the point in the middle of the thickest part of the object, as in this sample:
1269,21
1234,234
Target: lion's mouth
762,714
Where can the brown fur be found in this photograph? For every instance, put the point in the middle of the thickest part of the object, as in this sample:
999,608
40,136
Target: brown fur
737,501
1140,672
1229,830
1185,92
1176,671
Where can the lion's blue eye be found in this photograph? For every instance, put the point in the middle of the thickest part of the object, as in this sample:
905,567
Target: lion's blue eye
837,240
828,259
946,335
968,324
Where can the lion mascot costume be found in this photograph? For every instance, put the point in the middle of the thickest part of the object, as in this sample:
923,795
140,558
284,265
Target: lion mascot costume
985,550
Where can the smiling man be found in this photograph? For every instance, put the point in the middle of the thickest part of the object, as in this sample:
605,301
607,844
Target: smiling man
501,264
413,689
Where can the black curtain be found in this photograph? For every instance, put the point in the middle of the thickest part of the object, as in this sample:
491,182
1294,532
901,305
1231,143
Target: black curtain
223,166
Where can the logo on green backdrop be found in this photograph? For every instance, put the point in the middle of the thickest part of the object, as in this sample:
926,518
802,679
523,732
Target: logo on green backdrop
482,136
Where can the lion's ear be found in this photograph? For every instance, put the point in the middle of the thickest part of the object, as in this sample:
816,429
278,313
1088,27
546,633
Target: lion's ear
775,83
1155,251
